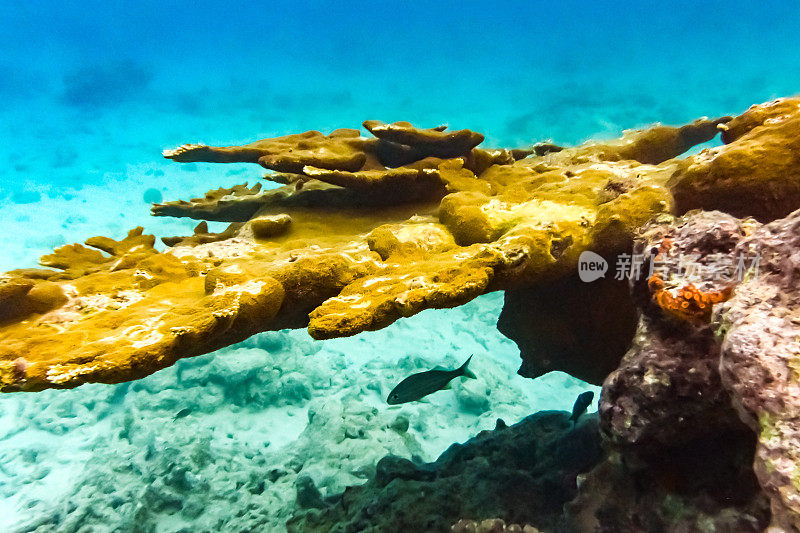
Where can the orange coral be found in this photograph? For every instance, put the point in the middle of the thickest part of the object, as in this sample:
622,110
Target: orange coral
664,247
687,303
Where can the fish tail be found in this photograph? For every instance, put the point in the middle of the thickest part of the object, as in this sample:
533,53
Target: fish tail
466,372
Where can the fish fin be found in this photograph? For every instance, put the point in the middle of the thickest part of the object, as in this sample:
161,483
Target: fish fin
447,387
466,372
438,367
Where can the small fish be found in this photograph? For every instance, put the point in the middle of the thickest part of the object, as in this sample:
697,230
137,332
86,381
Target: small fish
582,403
417,386
183,413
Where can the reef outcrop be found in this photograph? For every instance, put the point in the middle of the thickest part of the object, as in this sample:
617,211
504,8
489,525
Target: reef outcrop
679,455
524,473
760,353
756,173
701,414
568,326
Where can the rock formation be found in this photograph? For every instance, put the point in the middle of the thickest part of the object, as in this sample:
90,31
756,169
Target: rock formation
680,458
524,473
701,414
760,332
571,326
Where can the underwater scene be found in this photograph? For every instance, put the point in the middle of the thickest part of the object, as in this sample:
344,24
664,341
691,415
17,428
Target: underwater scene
318,266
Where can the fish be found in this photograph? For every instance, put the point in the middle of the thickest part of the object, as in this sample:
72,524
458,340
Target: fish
417,386
183,413
582,403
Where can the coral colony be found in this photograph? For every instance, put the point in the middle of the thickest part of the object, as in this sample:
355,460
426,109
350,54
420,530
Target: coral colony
699,414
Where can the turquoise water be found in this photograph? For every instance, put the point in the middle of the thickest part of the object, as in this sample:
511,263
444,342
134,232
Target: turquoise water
92,92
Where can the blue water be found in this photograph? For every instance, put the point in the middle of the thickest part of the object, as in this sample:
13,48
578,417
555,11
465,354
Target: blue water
92,91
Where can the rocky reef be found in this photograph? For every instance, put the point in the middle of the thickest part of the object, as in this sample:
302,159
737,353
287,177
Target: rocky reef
524,473
679,455
695,339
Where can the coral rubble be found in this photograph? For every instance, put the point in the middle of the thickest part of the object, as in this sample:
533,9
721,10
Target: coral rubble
491,525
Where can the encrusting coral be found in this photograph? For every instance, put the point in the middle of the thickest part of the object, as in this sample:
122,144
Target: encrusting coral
687,302
366,231
756,173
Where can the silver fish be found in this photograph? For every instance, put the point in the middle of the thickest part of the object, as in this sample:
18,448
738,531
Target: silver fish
417,386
